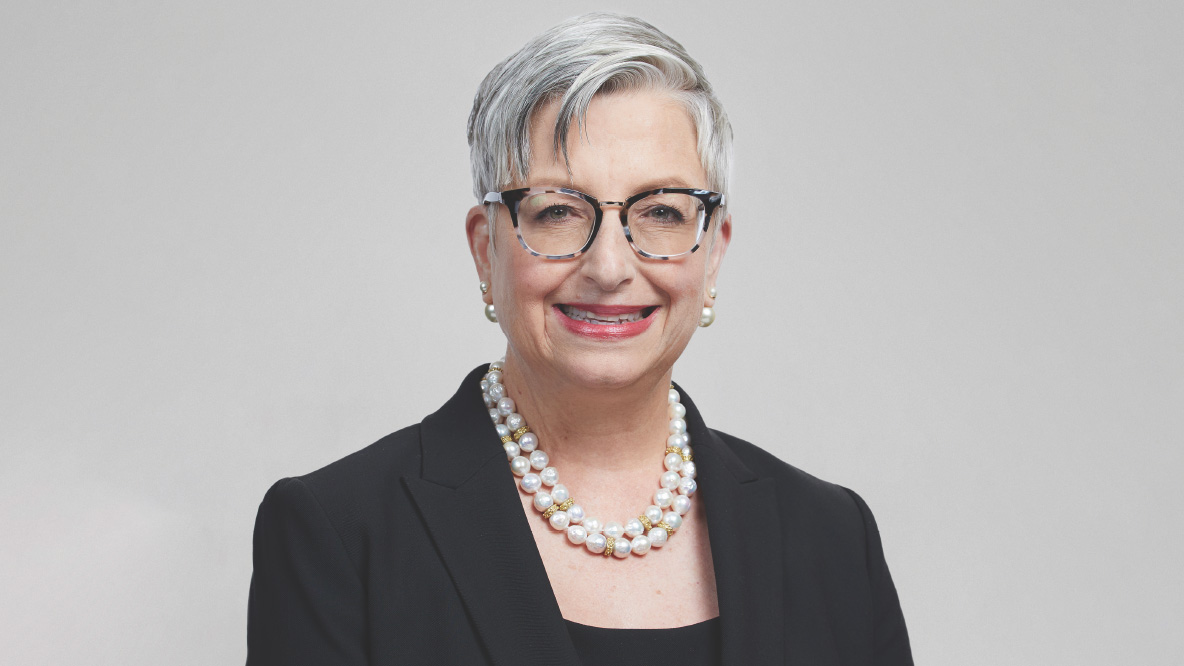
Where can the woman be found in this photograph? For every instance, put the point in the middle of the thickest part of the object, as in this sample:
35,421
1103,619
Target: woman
568,505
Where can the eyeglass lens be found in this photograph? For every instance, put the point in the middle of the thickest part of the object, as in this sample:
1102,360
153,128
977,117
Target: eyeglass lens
556,223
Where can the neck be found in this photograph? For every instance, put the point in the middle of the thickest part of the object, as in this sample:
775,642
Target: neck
590,430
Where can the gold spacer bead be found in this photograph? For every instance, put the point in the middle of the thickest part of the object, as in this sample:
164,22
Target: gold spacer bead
646,522
686,455
520,432
673,449
507,439
668,528
550,511
609,544
567,504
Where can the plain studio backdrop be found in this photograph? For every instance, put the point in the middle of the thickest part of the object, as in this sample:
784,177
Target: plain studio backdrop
232,250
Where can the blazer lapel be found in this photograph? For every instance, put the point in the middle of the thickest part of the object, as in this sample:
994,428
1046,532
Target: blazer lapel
467,497
469,502
746,549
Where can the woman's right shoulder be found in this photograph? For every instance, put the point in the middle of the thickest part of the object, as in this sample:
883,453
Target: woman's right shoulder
368,468
350,490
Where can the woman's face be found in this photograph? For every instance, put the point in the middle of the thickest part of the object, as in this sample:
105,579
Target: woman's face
631,142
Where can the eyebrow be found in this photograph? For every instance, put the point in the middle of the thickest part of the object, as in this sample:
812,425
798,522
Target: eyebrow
652,184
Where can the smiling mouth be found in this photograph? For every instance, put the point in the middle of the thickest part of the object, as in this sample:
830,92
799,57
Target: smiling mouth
606,319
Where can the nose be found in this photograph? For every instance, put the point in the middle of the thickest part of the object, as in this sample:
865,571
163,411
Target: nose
610,261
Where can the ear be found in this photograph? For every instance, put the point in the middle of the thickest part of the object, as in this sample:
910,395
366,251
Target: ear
719,246
478,228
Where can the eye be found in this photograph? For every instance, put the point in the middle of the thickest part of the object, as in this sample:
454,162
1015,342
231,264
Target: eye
555,213
663,214
666,213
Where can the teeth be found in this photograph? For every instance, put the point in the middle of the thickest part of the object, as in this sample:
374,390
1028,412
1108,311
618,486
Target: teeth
602,319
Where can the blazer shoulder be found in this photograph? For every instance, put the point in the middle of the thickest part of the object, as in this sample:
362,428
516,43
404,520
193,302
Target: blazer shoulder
788,477
368,468
351,493
823,507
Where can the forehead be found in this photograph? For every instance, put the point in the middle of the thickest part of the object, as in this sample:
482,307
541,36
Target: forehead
628,139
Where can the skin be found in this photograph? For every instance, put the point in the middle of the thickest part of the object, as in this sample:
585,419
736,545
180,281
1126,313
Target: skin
567,385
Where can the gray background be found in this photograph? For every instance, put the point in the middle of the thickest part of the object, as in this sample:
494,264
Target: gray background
232,251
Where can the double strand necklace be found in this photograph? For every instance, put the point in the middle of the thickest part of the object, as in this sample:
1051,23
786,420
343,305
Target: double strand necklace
529,463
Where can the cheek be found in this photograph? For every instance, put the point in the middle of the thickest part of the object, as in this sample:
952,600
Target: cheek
524,281
686,290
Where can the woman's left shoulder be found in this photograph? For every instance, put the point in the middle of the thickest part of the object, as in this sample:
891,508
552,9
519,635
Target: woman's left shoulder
799,491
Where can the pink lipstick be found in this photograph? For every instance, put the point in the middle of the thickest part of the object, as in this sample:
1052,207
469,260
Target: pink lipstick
605,322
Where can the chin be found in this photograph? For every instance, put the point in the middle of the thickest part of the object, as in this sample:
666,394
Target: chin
601,369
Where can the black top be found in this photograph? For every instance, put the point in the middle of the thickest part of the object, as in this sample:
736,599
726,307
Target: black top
416,550
692,645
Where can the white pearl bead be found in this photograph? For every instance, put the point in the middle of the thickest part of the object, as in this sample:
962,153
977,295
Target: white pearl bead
595,543
511,450
621,548
686,440
672,461
674,440
559,520
485,386
542,500
688,469
514,421
497,391
654,513
614,529
677,410
505,406
495,415
707,316
576,513
663,498
528,441
640,545
670,480
489,402
672,519
559,493
681,505
678,426
520,465
672,397
539,459
577,534
593,525
633,527
686,450
550,476
687,487
531,482
657,537
502,430
494,376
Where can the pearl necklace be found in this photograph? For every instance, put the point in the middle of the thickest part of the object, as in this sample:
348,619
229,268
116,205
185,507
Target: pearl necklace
648,530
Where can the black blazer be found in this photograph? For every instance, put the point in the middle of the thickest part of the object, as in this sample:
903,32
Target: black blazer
415,550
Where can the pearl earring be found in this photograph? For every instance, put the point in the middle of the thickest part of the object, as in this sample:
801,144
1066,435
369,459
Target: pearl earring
484,287
491,313
707,318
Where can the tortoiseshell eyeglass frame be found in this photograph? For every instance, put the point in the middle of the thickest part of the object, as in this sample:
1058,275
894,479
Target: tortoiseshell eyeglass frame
511,199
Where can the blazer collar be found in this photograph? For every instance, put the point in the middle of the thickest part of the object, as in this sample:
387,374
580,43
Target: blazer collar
467,496
743,527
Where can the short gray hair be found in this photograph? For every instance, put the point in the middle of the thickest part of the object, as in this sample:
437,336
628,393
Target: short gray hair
595,53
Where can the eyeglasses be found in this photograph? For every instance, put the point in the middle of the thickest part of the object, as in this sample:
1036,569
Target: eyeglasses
560,223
